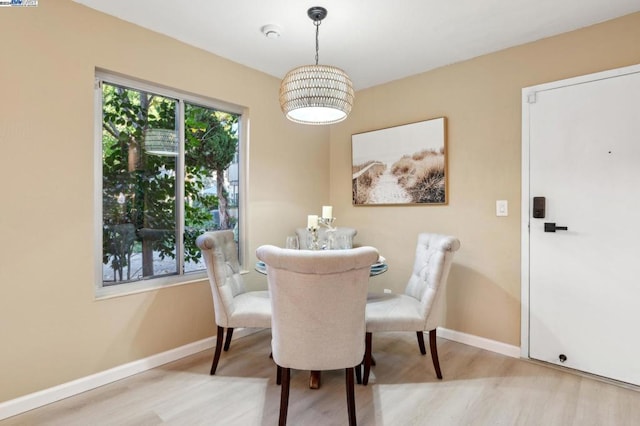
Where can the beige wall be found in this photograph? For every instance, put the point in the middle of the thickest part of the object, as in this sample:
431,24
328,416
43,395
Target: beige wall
481,99
51,328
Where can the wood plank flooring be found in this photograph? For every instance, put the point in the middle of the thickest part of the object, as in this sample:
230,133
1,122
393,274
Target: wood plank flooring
479,388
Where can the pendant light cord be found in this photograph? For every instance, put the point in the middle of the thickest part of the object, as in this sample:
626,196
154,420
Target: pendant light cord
317,24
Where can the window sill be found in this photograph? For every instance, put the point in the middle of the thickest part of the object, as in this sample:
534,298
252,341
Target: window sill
110,292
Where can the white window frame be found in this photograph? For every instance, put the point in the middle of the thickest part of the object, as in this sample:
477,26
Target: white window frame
153,283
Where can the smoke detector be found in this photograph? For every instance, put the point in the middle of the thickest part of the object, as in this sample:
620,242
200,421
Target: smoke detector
271,31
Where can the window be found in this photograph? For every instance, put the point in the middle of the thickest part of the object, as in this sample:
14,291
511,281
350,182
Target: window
169,171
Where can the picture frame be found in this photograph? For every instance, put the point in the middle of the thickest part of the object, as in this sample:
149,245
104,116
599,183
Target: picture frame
401,165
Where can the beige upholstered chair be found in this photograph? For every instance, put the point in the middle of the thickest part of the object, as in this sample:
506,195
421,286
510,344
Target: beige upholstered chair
234,306
419,308
303,235
318,300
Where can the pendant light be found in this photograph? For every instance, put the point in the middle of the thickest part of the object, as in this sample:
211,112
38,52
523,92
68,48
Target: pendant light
316,94
162,142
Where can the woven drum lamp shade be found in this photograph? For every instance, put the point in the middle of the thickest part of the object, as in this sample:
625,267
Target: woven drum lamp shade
161,142
316,94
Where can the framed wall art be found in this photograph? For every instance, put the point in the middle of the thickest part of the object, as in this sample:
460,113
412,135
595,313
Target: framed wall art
404,164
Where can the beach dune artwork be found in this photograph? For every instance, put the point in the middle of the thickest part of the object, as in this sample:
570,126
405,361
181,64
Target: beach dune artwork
404,164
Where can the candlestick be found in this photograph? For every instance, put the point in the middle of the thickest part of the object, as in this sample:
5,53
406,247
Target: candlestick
327,222
313,242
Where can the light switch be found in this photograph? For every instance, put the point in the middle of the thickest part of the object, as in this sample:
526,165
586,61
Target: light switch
502,208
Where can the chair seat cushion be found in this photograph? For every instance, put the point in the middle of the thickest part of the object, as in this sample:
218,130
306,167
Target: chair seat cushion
393,312
251,309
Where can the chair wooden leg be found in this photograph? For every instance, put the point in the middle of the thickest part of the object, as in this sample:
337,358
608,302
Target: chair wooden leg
278,375
420,335
284,396
367,358
351,396
434,352
227,341
359,372
216,356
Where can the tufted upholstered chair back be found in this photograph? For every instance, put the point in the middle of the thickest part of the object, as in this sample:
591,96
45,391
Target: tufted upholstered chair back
434,254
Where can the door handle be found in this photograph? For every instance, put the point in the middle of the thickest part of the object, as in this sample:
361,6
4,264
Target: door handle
551,227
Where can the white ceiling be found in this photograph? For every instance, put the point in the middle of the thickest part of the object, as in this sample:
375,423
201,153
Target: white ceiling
374,41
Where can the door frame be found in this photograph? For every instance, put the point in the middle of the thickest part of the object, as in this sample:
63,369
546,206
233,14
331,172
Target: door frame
528,97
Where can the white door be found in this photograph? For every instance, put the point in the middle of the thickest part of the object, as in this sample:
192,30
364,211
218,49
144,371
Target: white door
584,282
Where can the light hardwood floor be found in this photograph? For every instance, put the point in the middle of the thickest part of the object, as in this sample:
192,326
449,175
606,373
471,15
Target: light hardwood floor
479,388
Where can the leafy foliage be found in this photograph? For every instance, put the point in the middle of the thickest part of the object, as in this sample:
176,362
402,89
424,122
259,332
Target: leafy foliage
211,143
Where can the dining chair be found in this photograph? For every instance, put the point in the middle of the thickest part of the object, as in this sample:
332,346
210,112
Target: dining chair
303,235
121,238
419,308
318,301
233,305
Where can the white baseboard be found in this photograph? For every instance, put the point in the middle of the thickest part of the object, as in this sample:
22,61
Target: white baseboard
479,342
47,396
34,400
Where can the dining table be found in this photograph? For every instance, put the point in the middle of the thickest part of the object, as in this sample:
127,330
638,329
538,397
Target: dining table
380,267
